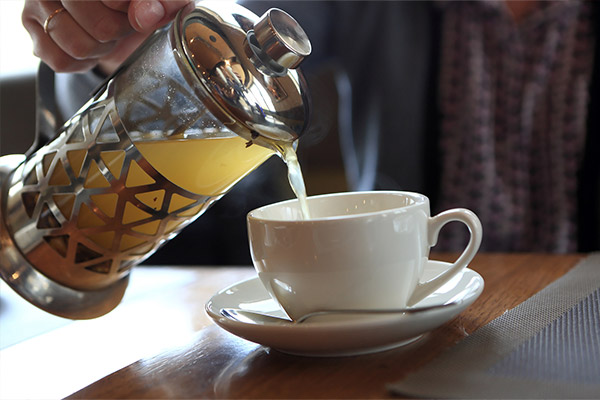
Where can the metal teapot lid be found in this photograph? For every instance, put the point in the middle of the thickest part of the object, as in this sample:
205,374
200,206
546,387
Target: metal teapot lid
245,66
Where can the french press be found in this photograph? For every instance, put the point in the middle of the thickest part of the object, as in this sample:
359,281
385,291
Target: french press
196,108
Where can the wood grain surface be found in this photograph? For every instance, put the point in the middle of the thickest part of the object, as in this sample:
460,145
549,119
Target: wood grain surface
216,364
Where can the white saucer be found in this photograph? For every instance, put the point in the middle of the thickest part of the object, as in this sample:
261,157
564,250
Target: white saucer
330,336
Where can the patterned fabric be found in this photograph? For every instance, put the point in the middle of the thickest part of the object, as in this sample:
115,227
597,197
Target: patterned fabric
513,126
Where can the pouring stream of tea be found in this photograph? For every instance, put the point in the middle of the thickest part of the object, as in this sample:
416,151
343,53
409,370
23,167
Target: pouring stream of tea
295,177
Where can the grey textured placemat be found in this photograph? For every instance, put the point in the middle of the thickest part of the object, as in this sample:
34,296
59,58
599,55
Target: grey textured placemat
546,347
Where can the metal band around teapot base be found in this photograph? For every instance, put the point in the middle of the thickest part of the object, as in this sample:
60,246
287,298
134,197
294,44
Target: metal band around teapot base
35,287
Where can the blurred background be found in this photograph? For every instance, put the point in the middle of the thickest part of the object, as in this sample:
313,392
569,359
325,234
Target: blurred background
17,81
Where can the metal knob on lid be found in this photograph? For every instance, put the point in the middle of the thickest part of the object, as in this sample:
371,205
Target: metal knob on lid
282,38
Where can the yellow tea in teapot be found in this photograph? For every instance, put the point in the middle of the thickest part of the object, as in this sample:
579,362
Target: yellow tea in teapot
208,166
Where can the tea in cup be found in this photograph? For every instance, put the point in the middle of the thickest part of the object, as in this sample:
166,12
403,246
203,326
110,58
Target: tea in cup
358,250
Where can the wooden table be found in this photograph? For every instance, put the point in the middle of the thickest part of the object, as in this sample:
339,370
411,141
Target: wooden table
159,343
216,364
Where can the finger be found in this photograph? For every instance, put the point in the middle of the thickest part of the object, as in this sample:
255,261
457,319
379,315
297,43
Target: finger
121,51
54,56
117,5
148,15
66,33
99,21
38,11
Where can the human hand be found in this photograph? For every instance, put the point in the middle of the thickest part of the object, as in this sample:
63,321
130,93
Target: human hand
80,35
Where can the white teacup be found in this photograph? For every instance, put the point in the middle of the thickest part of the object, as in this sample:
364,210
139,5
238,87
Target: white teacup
358,250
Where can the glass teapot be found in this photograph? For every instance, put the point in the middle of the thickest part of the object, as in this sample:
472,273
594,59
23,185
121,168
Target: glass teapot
196,108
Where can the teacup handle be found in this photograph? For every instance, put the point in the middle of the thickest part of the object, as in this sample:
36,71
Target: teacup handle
436,223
